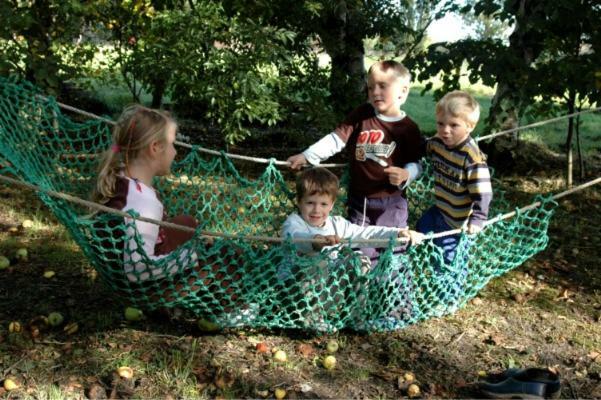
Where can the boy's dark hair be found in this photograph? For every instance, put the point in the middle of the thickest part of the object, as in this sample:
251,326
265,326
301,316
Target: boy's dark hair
399,69
317,180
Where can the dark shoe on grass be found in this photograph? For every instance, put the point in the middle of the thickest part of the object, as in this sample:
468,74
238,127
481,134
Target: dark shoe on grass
528,383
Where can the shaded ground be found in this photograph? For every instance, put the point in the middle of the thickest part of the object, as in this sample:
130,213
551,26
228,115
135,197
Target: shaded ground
545,313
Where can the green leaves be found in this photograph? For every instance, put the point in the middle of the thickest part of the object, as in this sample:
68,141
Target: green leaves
34,38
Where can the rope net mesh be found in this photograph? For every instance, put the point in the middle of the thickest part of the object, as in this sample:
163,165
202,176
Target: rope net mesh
237,281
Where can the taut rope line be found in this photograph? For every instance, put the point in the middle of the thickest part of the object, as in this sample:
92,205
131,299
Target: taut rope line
272,239
186,145
535,124
279,162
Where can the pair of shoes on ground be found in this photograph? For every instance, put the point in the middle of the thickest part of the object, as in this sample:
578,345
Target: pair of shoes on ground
527,383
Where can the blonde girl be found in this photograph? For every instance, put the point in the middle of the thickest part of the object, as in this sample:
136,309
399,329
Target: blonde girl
143,148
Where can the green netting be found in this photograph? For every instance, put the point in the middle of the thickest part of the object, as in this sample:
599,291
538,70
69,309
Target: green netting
236,282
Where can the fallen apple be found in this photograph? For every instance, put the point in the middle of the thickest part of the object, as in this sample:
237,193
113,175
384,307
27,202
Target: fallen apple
49,274
332,346
280,356
125,372
207,326
14,327
55,318
21,254
280,393
329,362
133,314
27,224
262,347
4,262
10,384
409,377
413,390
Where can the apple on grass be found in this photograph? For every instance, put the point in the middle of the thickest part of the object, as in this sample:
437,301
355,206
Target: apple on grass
21,254
125,372
329,362
207,326
413,390
262,347
55,318
10,383
14,327
280,393
133,314
280,356
49,274
332,346
4,262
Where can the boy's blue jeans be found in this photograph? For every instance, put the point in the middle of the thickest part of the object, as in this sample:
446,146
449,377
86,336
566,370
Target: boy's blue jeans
433,221
456,272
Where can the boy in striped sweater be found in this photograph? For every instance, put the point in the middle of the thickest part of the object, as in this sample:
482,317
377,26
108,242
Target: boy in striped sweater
462,184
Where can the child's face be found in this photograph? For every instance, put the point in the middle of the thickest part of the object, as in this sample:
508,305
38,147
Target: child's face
167,153
386,92
315,208
452,130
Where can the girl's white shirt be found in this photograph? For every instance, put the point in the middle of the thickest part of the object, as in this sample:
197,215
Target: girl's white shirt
143,200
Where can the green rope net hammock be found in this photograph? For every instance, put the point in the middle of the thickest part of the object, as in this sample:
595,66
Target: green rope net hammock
242,282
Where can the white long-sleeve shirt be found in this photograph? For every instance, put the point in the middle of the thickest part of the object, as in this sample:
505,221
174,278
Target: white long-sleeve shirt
297,228
131,194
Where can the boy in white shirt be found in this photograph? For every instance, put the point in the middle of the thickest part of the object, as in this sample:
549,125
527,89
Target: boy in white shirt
316,192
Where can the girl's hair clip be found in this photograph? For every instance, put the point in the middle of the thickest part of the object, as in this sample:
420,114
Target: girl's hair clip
115,148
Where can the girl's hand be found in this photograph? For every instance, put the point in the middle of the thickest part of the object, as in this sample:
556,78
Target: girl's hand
297,161
396,175
330,240
414,237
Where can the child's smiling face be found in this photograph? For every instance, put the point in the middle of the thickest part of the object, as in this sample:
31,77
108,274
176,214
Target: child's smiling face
315,209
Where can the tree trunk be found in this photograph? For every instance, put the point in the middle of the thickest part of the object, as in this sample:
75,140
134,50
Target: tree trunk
509,99
569,152
344,45
579,147
158,90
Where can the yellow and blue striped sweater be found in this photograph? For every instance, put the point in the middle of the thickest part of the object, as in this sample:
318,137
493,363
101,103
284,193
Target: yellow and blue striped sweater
462,184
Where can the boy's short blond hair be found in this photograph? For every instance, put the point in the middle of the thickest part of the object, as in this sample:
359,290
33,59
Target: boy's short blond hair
459,104
400,71
316,180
